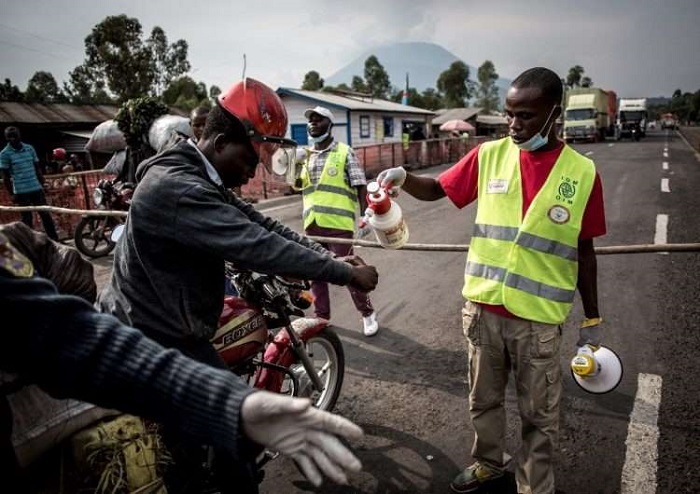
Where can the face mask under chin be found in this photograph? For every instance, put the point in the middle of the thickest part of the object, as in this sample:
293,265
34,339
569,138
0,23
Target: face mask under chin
538,140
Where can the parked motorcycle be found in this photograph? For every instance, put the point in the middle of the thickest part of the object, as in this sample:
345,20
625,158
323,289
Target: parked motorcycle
93,234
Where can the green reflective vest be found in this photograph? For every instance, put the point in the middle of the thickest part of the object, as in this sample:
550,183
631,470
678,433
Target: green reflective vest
331,203
527,264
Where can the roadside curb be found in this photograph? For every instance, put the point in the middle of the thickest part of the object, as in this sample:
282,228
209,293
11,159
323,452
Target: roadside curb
697,154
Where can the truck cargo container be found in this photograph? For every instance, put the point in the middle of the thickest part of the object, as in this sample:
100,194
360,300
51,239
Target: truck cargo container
587,114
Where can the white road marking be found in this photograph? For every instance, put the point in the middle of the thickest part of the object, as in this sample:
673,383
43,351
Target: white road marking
664,165
665,154
588,153
665,186
660,235
639,470
611,144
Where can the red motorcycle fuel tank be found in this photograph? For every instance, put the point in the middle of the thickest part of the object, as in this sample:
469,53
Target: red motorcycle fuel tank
242,331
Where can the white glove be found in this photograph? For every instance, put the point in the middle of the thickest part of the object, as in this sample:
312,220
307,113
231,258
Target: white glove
392,178
294,428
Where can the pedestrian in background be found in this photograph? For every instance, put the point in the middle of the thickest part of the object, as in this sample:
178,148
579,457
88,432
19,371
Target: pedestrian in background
23,179
539,206
333,185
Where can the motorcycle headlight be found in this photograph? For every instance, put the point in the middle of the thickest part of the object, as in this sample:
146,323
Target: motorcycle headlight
98,197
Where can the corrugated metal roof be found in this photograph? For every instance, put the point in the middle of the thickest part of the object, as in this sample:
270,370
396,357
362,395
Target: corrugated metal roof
36,113
492,119
353,103
455,114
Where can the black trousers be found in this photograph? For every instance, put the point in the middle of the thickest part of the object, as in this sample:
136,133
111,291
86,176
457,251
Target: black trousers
36,198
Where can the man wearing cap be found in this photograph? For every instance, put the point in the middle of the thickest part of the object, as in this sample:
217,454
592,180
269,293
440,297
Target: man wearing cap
333,185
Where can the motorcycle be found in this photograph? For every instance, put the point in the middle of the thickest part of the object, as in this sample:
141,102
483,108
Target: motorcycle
266,339
93,234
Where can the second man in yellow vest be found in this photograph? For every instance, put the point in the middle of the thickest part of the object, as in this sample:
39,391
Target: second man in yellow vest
333,185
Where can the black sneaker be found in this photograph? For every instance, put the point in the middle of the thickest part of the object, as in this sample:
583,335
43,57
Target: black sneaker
474,478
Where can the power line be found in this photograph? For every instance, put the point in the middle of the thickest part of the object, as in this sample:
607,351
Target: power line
44,38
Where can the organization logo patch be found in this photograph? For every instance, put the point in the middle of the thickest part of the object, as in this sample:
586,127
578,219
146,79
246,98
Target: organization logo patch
559,214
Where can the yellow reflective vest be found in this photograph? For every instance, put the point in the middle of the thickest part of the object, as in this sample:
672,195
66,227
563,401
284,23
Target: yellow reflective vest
332,202
527,264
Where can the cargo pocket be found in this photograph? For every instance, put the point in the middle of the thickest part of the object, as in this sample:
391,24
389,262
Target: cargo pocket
545,341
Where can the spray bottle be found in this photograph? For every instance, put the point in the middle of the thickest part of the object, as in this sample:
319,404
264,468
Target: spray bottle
385,218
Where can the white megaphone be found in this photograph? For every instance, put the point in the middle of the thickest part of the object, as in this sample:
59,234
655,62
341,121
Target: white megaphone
287,166
117,233
596,371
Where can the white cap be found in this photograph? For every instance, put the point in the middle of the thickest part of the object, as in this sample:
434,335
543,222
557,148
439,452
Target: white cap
324,112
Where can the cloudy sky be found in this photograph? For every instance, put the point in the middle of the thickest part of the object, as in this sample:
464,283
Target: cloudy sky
635,47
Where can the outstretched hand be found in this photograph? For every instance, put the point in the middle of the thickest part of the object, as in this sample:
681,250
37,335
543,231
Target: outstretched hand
308,435
364,277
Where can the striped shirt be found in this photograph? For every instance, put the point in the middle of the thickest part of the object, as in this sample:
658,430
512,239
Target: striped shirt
354,174
21,164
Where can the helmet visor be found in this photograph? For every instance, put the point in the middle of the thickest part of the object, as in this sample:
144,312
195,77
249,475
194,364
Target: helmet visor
274,151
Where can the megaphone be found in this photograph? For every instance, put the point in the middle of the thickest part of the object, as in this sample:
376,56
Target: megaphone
288,166
117,233
596,371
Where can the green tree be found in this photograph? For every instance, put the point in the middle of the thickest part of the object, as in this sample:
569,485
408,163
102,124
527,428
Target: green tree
358,84
376,78
586,82
130,66
487,91
43,88
312,81
432,99
214,92
185,93
86,86
573,79
455,86
414,97
167,61
10,92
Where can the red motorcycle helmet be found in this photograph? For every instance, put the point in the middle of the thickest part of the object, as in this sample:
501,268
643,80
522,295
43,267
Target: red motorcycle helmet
264,116
59,154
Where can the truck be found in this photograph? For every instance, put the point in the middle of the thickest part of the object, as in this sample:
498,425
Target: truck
631,118
668,121
589,114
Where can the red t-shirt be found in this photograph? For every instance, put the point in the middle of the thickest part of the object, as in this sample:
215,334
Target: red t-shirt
460,183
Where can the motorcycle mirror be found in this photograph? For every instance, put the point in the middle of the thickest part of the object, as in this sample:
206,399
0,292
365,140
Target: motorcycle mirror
117,233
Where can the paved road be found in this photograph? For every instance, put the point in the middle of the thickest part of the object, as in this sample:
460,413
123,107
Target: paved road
407,386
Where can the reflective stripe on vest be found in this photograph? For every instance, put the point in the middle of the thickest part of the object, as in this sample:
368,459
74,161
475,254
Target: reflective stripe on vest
530,264
331,203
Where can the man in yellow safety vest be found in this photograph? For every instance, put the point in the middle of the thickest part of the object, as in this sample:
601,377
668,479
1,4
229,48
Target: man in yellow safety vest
333,185
539,206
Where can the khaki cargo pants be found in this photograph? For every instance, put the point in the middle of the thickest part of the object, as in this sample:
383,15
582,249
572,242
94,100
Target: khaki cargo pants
497,344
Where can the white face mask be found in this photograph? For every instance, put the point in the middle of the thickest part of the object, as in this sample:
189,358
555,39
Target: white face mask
316,140
538,140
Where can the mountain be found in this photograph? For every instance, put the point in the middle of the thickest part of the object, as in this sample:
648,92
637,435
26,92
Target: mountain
424,63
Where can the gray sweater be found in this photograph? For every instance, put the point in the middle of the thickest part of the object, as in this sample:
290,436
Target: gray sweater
168,274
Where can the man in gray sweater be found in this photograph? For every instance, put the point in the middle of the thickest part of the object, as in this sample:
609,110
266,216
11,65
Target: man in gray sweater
184,224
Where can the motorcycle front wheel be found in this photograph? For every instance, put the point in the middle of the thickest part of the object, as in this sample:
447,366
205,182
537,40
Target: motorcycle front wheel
326,353
92,235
